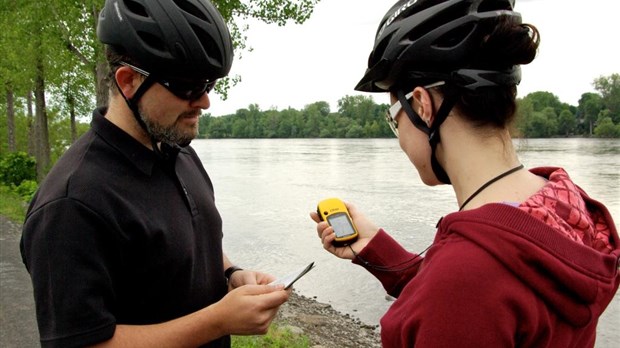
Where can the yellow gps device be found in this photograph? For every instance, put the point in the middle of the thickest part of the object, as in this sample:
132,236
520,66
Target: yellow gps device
337,216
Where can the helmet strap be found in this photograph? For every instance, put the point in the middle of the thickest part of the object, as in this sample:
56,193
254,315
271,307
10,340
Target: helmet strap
433,132
413,116
132,103
450,98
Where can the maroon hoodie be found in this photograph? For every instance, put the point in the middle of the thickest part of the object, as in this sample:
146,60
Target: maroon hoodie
537,275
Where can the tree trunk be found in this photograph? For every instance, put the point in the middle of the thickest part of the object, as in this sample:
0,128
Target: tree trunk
71,102
101,84
10,118
42,148
100,69
31,131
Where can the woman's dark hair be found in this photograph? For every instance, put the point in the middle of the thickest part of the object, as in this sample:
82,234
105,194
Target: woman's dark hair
508,44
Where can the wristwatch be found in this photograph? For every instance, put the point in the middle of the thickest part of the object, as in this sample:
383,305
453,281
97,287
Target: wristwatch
230,270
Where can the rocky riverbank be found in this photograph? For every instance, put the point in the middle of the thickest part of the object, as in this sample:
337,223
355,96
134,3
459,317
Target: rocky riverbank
326,327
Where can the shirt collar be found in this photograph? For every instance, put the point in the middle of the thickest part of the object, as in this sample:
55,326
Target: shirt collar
143,158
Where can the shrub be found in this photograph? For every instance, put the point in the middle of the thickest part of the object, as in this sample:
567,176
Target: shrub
17,167
12,206
27,189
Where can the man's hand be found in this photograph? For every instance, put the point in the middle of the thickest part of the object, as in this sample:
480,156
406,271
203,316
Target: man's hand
249,309
245,277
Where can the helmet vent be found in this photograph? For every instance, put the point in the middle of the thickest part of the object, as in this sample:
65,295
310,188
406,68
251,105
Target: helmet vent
136,8
450,14
191,9
379,51
455,36
208,44
494,5
152,41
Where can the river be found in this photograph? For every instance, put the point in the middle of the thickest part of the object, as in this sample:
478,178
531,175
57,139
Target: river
265,189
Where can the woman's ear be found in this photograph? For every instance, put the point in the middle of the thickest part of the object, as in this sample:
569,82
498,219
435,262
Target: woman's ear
422,103
127,80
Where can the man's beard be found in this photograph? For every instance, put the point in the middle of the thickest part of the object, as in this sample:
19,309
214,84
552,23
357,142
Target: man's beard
171,134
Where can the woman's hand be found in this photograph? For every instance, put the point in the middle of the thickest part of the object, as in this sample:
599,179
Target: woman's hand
365,228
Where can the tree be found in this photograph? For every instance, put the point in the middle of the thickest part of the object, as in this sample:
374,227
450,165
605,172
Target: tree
41,66
541,124
566,122
269,124
605,128
592,109
10,118
542,100
525,110
609,88
365,112
41,134
17,66
315,115
583,112
290,123
51,48
355,131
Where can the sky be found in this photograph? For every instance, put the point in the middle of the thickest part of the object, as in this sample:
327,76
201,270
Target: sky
324,58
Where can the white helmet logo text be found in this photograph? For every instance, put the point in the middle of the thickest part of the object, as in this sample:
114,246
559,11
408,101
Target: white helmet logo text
396,14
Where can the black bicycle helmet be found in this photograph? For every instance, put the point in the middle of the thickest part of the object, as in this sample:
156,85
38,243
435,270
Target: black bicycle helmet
176,38
421,41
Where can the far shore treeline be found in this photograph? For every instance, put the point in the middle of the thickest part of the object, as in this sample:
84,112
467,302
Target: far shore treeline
540,115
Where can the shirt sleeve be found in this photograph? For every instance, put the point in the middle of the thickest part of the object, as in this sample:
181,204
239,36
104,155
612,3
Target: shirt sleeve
68,250
389,262
462,297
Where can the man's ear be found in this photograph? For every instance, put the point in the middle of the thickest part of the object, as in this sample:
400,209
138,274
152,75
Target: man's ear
127,80
422,103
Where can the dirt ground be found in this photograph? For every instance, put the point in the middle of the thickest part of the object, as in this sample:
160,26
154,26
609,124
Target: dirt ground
325,326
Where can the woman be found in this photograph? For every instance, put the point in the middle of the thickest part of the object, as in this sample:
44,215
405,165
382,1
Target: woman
529,260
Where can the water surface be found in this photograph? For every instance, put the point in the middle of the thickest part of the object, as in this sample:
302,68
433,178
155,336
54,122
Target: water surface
265,189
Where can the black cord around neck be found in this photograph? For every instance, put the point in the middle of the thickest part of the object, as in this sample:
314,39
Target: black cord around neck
488,183
412,262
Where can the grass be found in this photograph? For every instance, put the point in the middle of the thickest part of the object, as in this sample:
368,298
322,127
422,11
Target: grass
12,205
277,337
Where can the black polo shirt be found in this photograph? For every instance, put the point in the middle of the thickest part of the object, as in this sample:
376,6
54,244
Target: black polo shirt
117,235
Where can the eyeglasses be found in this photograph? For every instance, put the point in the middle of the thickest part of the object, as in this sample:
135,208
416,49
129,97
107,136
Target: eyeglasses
392,112
184,89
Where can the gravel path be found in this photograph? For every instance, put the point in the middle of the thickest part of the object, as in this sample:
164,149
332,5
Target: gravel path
18,326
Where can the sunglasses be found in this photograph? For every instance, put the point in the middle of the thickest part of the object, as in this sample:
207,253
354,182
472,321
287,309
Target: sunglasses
184,89
394,109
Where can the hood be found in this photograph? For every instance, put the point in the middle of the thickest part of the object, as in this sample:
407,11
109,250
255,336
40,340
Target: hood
566,248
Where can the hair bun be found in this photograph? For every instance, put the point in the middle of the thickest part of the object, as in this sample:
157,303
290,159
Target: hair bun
509,44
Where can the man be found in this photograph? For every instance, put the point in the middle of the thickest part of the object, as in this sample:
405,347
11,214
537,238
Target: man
123,240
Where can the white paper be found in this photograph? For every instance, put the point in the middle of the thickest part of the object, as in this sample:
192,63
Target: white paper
291,278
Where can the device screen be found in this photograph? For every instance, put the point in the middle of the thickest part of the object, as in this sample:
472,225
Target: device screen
341,224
